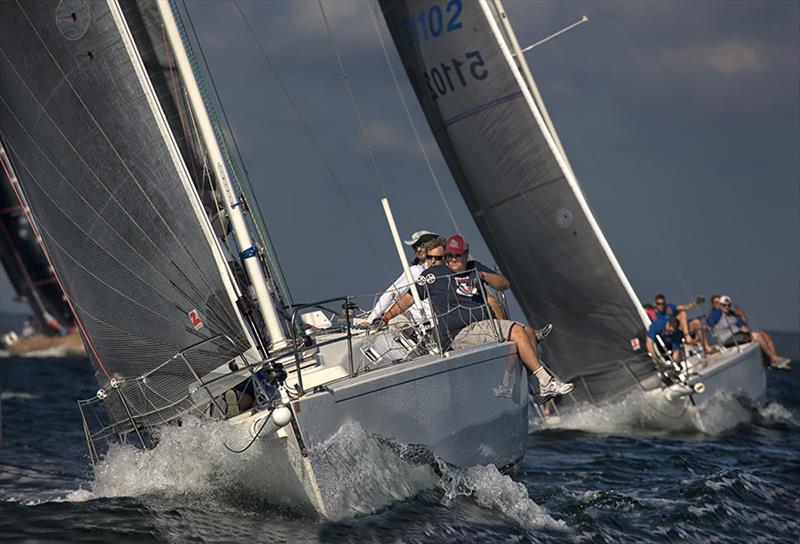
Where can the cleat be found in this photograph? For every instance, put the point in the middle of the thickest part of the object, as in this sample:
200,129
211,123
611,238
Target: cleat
544,332
554,389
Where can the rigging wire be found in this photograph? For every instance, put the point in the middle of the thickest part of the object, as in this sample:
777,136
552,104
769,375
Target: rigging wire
258,218
310,135
350,93
434,177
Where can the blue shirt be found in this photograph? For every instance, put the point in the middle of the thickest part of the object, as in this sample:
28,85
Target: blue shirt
672,340
456,299
670,311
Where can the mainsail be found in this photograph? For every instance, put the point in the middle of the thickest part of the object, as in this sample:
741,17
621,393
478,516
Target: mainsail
117,210
23,260
521,191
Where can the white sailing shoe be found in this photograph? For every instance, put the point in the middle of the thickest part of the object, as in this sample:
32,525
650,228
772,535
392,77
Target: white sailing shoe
554,389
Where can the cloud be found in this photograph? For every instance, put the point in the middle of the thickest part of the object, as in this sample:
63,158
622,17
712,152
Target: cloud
731,58
723,58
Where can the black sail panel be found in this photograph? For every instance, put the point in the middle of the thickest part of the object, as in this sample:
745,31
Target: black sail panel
533,217
114,204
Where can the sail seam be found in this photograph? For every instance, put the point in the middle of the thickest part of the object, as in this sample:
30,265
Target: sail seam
480,108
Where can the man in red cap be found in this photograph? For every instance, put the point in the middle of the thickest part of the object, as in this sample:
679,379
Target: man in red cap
455,290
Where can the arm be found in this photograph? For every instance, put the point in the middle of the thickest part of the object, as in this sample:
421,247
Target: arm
494,280
740,314
403,303
651,348
392,293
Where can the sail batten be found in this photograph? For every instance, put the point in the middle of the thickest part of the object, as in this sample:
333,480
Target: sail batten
521,191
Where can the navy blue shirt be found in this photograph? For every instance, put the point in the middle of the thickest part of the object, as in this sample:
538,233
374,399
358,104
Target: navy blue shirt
671,310
672,340
456,299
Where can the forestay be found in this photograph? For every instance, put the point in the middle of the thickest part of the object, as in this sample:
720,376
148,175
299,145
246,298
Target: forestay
521,192
115,205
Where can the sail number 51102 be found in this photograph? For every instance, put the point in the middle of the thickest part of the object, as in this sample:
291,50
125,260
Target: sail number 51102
431,23
449,76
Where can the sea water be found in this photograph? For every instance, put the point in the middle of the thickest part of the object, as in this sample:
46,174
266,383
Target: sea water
608,475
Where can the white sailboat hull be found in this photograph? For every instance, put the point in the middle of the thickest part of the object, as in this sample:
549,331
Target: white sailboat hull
447,407
737,372
732,383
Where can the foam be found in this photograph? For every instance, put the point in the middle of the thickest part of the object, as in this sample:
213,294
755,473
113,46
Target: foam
652,414
359,474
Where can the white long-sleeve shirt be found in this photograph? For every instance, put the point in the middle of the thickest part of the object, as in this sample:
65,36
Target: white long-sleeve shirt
398,289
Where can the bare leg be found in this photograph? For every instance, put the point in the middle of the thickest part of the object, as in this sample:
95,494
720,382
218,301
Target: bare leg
766,345
526,346
684,322
697,325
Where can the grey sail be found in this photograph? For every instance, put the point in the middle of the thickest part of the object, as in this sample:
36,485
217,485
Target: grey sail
521,192
116,208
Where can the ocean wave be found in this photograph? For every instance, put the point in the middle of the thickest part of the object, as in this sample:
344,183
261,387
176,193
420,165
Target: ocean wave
9,395
358,472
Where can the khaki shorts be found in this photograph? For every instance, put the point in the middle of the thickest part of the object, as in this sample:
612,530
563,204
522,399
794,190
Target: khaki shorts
482,332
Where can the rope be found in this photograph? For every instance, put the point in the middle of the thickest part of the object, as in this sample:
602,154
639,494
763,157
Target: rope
247,447
310,135
410,119
258,217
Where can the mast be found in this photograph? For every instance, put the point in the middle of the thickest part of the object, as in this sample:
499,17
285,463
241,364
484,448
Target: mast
248,252
526,84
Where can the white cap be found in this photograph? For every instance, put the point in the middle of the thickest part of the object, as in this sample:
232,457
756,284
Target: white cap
724,299
417,235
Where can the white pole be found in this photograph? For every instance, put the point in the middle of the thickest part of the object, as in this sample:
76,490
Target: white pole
580,21
399,246
247,250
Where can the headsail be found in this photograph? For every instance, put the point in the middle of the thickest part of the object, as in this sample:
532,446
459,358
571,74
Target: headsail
521,191
112,198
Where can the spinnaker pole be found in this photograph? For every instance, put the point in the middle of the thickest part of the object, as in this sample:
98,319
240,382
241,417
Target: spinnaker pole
248,252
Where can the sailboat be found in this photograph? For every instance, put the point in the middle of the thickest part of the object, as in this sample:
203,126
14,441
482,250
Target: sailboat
488,117
50,329
175,289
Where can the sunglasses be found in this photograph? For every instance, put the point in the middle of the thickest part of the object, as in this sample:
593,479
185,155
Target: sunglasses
661,303
726,305
435,257
452,256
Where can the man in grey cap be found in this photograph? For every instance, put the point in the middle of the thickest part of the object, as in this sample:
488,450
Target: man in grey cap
418,242
731,329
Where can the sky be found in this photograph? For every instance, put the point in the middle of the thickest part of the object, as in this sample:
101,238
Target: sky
681,121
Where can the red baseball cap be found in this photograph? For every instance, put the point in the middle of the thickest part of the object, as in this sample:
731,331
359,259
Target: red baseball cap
456,245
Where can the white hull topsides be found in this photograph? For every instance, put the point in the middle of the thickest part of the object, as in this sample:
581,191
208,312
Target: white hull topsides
445,409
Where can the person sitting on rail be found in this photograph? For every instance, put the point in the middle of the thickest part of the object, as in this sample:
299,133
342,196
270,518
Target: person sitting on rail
421,241
431,253
692,330
671,336
455,290
731,329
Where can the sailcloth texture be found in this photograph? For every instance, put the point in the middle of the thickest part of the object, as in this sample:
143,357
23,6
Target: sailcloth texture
526,203
115,205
